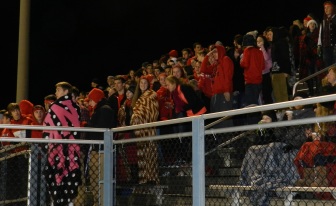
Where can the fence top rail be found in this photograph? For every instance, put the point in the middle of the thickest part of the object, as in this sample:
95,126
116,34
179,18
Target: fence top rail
58,128
42,140
296,122
233,129
246,110
275,106
178,135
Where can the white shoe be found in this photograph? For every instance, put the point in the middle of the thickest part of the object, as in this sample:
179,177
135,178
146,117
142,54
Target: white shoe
71,204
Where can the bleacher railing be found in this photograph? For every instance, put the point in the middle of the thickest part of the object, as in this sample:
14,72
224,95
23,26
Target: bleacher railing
198,133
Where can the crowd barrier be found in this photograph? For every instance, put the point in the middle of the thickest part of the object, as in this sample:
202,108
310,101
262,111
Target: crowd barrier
210,172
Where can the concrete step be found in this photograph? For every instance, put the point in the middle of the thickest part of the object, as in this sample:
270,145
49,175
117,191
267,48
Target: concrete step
221,180
184,181
187,171
243,201
175,171
229,172
176,180
212,193
166,195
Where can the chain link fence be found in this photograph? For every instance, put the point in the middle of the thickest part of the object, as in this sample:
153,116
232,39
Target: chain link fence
279,163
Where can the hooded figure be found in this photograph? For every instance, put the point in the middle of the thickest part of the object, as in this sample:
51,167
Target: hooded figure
26,108
217,64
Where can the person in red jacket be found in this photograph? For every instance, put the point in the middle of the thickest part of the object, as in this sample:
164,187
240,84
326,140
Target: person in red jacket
164,98
17,118
17,170
217,64
38,116
252,62
26,108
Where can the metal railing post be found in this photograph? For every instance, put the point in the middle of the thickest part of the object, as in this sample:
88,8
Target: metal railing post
198,162
108,168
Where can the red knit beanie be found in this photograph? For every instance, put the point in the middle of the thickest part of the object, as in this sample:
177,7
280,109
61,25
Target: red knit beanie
96,95
307,19
173,53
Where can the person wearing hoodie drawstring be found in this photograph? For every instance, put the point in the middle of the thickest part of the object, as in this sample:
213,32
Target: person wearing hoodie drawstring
217,64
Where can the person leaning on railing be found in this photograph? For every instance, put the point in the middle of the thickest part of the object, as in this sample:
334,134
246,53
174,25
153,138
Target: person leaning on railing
16,118
17,169
186,104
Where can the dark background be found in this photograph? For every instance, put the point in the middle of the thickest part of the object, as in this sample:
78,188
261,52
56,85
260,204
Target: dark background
78,40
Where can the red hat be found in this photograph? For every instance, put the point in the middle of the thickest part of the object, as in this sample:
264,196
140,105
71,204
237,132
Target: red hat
96,95
307,19
173,53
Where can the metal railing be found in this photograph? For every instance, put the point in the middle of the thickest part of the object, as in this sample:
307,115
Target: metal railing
198,133
311,76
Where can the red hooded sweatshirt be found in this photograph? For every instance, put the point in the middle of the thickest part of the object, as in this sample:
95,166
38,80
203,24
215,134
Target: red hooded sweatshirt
222,71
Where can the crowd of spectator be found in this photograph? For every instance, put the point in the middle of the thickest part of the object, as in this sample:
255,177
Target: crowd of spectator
257,69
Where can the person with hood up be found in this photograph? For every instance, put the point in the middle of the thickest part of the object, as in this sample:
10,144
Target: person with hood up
26,108
217,64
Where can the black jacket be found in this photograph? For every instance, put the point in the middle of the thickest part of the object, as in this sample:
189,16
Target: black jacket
103,116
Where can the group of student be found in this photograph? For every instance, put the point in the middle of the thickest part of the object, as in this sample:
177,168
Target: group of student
212,79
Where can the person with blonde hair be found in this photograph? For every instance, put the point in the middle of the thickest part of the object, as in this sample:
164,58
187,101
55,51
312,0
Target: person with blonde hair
186,104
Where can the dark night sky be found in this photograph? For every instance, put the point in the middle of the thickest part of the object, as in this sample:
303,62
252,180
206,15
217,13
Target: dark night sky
77,40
